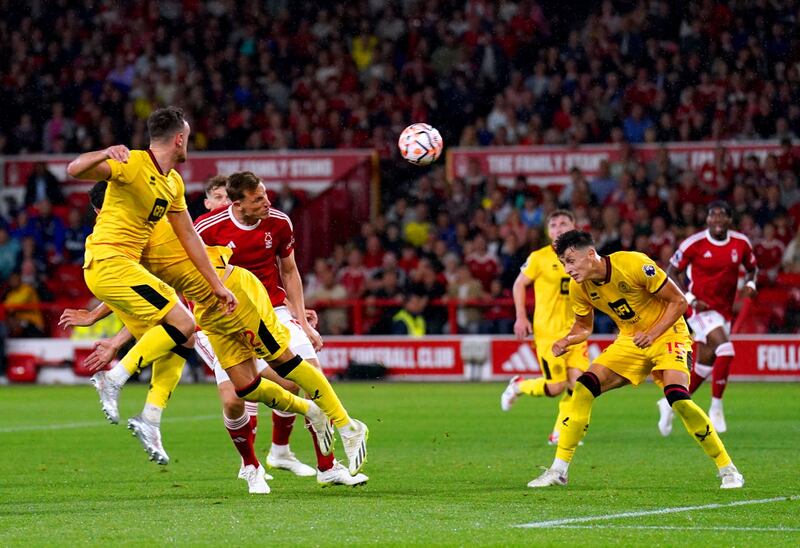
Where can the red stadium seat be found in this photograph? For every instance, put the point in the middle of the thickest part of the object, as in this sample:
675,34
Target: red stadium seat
22,368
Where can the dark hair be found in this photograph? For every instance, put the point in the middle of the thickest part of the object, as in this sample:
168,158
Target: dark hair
573,239
561,213
164,123
721,204
240,182
97,194
214,183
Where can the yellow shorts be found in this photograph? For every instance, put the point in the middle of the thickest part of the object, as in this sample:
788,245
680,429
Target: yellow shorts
671,351
140,299
184,277
554,368
252,330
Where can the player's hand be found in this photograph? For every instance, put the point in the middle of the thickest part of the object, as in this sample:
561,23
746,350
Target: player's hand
227,300
748,292
560,347
700,306
72,317
120,153
104,351
522,328
311,317
313,336
642,340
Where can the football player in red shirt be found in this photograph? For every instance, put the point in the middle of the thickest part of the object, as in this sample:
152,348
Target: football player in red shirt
262,240
712,260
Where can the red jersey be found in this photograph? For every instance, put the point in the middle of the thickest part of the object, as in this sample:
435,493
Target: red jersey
256,248
713,267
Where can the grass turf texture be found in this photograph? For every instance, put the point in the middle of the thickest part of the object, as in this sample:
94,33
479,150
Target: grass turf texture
446,467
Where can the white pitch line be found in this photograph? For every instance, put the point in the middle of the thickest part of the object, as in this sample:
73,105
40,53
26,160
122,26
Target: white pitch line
558,522
679,528
92,424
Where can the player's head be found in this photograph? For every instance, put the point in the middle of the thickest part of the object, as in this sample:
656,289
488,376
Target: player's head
559,222
576,251
97,194
248,196
169,129
216,193
718,219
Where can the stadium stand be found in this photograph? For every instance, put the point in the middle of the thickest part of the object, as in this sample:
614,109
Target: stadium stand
486,74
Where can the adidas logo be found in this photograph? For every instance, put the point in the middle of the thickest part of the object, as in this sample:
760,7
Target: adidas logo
231,245
239,439
707,255
523,360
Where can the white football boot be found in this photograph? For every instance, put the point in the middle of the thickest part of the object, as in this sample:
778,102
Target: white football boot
731,478
322,427
510,394
665,417
290,462
109,395
339,475
717,416
256,479
549,477
354,439
267,476
149,436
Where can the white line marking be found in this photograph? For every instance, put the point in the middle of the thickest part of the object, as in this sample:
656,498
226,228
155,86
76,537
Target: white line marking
678,528
94,424
558,522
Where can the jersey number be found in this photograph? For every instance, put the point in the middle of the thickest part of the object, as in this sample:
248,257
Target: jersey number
565,286
158,211
250,337
622,309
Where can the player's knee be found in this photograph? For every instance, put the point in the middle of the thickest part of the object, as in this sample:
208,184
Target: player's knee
178,335
675,393
702,371
181,320
590,381
555,388
725,349
233,407
285,368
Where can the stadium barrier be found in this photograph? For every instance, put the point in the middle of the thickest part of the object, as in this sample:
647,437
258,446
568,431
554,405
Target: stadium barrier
460,358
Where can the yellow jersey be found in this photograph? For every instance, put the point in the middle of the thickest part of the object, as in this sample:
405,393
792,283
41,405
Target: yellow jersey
165,257
552,313
626,294
137,198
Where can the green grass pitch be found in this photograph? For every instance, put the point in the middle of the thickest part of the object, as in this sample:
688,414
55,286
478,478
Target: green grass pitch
446,467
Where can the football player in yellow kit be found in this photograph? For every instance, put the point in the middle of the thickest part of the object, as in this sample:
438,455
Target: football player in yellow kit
653,339
552,319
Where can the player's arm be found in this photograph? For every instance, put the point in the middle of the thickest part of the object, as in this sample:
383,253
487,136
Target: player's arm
93,165
522,325
72,317
196,250
293,284
751,273
676,307
580,331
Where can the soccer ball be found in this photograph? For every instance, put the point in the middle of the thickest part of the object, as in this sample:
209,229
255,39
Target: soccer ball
420,144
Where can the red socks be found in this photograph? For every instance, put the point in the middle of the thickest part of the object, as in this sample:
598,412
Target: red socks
282,424
324,462
243,434
719,378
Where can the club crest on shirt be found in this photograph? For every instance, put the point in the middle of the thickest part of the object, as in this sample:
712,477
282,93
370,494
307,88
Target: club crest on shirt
624,287
268,240
649,270
734,256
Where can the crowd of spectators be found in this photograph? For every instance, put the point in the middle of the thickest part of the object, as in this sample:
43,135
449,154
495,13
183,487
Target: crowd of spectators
297,74
467,239
280,74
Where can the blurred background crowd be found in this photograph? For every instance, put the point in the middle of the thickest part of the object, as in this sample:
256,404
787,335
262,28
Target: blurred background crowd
300,75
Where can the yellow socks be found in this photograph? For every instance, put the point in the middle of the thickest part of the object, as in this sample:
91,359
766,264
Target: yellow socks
166,375
699,427
533,387
316,386
563,405
575,423
273,396
155,343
